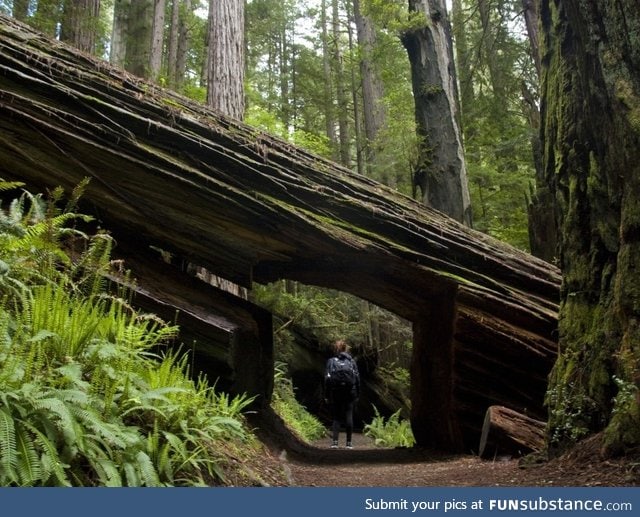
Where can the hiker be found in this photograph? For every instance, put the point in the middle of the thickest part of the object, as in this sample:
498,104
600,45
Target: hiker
341,390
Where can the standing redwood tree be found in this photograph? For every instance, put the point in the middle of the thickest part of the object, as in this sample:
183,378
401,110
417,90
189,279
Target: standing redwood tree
80,24
441,173
225,72
591,129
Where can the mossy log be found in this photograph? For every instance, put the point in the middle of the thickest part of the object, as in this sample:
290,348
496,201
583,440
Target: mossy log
171,173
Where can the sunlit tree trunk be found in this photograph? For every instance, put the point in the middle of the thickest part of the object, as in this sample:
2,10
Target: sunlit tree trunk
591,119
225,77
157,39
441,174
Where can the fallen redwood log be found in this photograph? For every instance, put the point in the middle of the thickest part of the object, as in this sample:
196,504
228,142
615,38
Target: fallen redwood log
169,173
507,432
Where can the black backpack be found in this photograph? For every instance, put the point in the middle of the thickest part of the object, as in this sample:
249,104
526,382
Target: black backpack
341,373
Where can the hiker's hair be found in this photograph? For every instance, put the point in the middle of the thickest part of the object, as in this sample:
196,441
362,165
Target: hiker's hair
340,346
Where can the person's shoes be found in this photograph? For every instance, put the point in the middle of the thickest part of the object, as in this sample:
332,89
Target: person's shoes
334,444
349,446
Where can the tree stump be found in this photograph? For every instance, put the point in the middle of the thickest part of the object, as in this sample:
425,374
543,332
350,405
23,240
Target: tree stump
507,432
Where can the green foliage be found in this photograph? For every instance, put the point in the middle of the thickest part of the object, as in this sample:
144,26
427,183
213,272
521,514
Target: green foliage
297,418
392,432
86,398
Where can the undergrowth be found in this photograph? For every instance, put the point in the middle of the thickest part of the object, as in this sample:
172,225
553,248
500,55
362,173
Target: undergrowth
91,393
306,426
391,432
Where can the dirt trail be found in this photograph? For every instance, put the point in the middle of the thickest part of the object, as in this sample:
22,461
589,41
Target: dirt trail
366,465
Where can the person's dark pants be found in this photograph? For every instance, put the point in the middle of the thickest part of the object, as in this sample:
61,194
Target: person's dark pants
342,411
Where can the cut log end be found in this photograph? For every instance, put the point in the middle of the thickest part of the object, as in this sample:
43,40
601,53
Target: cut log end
506,432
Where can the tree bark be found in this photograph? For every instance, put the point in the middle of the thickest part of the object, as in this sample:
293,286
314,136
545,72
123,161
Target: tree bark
341,92
183,43
172,44
591,114
139,34
157,39
225,77
372,88
507,432
118,51
441,174
330,121
80,24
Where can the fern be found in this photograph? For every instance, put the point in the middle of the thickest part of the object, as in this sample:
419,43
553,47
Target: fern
147,470
29,468
8,448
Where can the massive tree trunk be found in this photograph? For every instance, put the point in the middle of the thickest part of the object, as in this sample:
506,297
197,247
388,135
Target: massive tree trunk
225,76
118,51
591,114
173,174
441,173
80,24
139,34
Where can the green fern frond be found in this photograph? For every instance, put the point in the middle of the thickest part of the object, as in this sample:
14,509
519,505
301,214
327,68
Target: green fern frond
108,473
131,474
147,470
52,465
29,467
10,185
8,446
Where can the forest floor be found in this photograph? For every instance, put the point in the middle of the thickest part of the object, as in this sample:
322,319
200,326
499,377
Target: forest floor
365,465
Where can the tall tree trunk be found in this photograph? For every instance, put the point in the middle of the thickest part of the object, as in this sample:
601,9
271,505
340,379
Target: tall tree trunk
183,43
463,56
80,24
530,11
225,77
341,93
20,9
591,117
372,87
490,29
118,51
139,33
543,238
441,173
357,117
157,39
172,44
330,121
